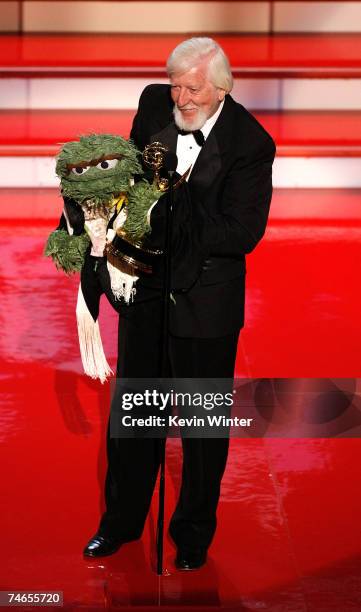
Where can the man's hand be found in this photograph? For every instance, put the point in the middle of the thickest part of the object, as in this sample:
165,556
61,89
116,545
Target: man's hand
97,230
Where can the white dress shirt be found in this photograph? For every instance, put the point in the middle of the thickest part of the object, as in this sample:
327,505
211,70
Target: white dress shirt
187,148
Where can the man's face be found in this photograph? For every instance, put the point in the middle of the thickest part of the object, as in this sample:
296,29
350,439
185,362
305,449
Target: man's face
195,97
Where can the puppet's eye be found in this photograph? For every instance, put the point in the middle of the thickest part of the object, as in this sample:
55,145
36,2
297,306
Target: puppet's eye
80,169
106,164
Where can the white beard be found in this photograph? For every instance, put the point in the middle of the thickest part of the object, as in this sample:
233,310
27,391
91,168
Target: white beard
189,126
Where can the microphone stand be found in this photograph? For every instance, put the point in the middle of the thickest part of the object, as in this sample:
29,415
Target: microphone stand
164,362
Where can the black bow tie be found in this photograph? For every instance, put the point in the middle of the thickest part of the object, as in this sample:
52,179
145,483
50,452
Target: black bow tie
197,135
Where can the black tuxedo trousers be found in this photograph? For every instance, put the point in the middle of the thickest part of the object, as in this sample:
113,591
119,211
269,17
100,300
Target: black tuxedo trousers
133,464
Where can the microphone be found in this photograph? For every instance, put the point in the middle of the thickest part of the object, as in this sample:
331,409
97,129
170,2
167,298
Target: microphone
170,162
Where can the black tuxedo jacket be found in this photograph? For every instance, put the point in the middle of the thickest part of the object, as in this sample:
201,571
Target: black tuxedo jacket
219,215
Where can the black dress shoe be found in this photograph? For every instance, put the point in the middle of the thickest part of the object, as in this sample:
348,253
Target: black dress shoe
186,560
101,546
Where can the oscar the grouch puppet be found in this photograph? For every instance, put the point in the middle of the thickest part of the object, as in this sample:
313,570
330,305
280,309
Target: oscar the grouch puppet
101,203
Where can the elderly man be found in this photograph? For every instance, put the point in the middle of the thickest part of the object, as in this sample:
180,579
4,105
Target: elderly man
220,214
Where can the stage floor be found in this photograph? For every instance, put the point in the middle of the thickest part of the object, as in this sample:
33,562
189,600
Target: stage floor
288,536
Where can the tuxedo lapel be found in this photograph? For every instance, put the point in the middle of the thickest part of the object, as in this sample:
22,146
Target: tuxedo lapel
168,137
207,165
209,160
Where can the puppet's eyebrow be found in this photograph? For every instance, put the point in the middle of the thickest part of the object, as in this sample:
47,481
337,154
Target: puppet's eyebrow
94,162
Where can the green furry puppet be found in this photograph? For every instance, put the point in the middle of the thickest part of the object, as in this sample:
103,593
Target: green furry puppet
101,202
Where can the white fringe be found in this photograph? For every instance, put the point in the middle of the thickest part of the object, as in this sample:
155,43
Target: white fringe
90,342
122,284
69,227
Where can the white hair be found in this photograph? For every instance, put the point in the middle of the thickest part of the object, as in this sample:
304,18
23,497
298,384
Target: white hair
193,51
